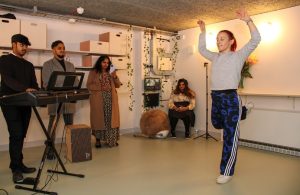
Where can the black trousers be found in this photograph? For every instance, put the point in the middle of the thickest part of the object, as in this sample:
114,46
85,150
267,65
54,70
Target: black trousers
68,120
17,120
186,121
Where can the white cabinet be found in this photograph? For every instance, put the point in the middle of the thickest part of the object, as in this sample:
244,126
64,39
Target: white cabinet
164,63
89,61
36,33
94,46
167,88
119,62
8,27
117,42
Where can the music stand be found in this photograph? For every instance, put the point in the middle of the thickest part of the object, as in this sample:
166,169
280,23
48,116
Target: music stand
206,135
59,82
62,81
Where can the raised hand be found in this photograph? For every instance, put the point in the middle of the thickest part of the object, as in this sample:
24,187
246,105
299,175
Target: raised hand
242,14
201,24
114,74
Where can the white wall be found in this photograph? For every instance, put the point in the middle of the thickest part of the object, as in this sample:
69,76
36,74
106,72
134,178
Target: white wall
272,120
277,71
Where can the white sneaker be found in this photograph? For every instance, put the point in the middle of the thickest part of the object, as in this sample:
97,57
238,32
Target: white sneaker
223,179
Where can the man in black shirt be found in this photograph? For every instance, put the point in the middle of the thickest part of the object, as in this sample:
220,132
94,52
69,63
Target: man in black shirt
17,75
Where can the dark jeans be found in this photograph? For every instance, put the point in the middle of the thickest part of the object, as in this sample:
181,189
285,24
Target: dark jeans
17,120
186,121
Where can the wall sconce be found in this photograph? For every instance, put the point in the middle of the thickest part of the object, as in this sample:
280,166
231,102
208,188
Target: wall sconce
269,31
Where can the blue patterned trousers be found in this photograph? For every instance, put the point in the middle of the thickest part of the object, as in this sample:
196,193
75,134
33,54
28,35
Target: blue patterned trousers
225,114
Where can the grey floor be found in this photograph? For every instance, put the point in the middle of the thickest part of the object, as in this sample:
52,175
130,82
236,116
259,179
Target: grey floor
141,166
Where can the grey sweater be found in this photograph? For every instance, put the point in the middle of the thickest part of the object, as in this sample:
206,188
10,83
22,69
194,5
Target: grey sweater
226,67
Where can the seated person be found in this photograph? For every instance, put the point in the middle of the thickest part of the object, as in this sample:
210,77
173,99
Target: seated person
181,105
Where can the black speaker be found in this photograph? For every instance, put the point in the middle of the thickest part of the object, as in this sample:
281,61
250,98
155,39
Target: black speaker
151,100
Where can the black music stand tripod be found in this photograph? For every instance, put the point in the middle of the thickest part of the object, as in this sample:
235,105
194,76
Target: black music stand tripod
49,142
206,135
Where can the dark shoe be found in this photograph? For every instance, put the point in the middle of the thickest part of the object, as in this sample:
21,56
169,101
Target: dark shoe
173,135
113,145
25,169
29,181
98,143
187,136
17,177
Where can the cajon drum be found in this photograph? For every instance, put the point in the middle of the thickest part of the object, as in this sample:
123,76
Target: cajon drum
78,141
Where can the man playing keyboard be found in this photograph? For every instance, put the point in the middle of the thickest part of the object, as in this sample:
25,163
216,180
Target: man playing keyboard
17,75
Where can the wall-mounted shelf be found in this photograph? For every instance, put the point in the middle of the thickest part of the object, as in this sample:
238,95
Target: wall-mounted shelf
68,52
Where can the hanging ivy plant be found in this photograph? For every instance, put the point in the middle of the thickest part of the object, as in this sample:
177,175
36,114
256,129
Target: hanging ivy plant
175,52
130,70
146,64
161,52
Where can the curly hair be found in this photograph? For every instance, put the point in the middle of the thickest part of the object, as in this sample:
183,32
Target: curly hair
98,68
187,91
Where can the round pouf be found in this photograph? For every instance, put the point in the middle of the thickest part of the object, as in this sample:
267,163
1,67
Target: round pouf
155,122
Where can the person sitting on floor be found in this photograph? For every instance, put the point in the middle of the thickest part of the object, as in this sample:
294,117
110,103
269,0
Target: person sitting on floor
181,105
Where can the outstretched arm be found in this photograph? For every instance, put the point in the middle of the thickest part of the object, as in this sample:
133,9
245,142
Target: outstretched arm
201,24
245,51
242,14
202,42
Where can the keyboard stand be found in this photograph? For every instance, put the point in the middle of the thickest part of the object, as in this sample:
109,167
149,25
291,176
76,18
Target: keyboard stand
49,145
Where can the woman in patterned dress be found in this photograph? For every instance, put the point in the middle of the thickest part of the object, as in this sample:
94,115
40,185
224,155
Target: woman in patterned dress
104,108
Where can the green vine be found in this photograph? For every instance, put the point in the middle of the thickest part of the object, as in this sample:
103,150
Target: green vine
174,58
161,52
130,70
146,64
174,53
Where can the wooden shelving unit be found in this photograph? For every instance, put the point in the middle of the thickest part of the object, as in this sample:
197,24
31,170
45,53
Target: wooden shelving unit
68,52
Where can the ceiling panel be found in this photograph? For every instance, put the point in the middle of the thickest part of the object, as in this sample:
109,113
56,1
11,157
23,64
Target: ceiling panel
168,15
